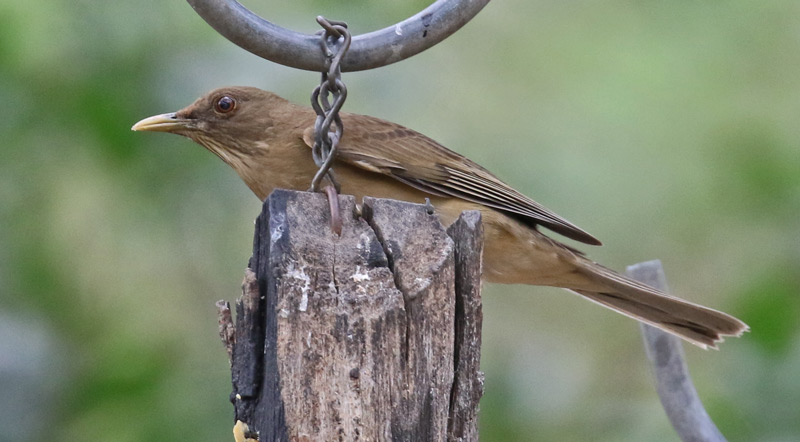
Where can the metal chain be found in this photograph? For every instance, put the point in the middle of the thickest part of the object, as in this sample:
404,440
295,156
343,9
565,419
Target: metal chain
335,42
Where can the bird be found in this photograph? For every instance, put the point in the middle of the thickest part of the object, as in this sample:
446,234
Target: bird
268,141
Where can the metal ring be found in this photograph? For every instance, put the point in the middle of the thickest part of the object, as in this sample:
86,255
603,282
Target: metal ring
367,51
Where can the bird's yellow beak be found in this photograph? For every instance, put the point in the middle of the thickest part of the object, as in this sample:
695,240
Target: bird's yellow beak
160,123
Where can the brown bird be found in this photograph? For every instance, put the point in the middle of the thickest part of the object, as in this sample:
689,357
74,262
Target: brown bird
267,140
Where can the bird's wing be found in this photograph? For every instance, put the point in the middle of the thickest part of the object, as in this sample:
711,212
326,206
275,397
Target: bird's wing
408,156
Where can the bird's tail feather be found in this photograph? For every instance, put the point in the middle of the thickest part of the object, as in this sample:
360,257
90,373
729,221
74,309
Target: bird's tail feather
699,325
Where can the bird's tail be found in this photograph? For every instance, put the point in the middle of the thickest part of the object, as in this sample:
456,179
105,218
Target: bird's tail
699,325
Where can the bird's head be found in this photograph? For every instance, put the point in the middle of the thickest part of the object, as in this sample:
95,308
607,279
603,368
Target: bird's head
229,121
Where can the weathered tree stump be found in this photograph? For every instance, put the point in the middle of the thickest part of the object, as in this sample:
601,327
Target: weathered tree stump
371,335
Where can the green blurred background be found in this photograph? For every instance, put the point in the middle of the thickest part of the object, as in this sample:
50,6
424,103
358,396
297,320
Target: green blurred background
667,129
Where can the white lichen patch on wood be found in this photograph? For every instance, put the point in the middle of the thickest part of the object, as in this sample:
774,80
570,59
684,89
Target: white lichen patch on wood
299,273
360,275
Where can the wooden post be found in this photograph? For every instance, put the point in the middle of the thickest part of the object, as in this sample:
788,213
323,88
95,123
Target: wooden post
371,335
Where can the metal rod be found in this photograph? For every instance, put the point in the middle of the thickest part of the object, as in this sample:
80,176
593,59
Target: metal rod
368,51
673,382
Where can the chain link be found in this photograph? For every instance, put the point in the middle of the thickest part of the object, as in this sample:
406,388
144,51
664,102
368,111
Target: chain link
335,41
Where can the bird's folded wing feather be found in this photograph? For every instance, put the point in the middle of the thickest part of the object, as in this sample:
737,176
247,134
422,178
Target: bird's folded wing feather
408,156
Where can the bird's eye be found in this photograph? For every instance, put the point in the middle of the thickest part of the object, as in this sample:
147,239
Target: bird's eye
225,104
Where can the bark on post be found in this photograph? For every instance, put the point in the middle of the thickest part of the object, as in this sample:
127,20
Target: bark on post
373,335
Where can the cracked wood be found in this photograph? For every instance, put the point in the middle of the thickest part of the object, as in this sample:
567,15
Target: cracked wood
359,336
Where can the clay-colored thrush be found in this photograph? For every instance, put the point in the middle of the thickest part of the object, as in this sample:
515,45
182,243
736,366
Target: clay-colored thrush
268,140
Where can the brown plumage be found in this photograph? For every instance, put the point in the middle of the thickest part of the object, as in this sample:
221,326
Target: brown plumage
267,140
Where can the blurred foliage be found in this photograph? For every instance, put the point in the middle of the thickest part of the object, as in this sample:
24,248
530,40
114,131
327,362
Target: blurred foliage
668,129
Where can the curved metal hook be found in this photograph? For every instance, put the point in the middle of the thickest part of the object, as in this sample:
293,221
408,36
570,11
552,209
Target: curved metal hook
368,51
673,382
